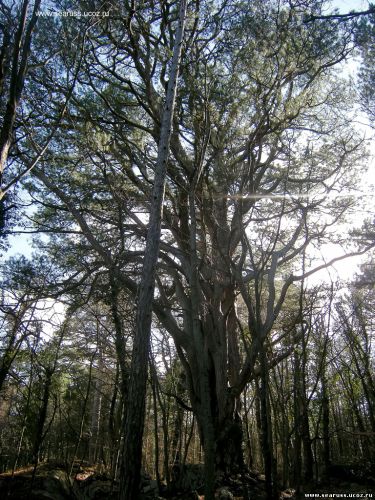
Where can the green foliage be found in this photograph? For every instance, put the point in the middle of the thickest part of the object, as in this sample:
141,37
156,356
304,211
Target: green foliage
365,39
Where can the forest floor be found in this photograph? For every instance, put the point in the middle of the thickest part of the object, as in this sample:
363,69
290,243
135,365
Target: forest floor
51,482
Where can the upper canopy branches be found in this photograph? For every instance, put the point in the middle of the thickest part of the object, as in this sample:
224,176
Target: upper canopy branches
261,142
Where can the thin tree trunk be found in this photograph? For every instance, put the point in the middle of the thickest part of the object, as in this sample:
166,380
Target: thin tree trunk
250,452
112,428
119,334
41,421
305,425
267,440
176,441
187,441
297,424
96,442
24,421
258,420
165,420
135,415
82,422
40,435
156,432
325,423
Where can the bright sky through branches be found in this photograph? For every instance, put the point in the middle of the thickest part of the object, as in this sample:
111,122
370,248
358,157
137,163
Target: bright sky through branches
347,268
364,192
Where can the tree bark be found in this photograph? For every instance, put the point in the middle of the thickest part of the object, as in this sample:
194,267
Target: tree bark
19,69
135,414
325,423
267,439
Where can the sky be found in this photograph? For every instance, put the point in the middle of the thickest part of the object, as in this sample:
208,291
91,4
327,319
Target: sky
348,5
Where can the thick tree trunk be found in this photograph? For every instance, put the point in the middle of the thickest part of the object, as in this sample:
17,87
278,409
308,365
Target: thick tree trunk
6,363
225,426
135,412
204,380
229,455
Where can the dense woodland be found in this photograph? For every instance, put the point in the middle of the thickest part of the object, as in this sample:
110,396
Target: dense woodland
183,168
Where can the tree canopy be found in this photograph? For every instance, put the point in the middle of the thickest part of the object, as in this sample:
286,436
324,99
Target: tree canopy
181,166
